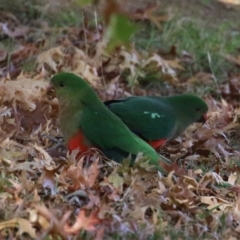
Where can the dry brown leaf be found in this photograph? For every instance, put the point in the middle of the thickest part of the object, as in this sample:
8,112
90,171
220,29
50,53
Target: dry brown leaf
52,57
23,225
83,222
116,180
86,71
216,202
25,92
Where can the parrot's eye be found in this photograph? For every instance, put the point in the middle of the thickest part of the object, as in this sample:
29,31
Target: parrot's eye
198,109
61,84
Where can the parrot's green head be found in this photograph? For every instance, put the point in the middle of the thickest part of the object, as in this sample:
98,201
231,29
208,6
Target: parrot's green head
68,87
190,107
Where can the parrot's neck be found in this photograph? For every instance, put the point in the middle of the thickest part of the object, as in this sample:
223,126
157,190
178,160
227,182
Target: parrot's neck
71,110
183,119
69,116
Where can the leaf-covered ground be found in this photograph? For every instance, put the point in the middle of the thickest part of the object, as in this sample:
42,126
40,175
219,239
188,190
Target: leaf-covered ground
45,193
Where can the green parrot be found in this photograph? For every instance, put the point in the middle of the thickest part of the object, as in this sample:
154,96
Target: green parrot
86,122
159,119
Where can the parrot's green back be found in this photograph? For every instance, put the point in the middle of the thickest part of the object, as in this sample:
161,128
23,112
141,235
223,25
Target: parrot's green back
80,108
154,118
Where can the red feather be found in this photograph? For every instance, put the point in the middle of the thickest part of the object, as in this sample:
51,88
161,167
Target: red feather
157,143
78,141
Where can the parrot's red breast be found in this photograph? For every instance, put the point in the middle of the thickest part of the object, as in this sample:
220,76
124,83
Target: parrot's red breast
78,141
157,143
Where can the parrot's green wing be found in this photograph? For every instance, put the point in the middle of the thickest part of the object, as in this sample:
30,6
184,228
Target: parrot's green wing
107,131
149,117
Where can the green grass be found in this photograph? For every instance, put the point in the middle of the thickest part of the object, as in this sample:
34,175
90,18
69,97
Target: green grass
200,41
57,13
24,10
66,18
3,183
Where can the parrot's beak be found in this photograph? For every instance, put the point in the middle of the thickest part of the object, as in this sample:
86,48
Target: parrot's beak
203,119
50,92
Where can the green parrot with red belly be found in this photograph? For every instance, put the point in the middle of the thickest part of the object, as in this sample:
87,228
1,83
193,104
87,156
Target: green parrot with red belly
86,122
159,119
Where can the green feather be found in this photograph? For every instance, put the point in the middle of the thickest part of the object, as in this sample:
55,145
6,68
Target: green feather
80,108
154,118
